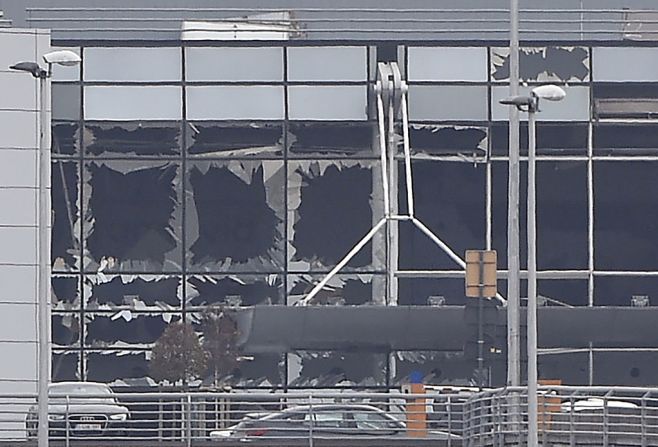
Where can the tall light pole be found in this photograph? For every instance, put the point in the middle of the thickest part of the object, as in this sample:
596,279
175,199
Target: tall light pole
530,104
66,58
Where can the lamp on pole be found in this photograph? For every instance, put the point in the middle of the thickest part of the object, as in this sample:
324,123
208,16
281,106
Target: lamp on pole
530,104
66,58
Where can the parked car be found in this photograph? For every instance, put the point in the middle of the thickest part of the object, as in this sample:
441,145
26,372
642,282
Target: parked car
82,408
321,421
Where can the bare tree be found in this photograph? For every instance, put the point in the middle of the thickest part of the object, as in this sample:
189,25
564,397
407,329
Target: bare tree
220,334
177,355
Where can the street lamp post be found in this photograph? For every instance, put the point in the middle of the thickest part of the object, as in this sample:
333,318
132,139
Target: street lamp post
530,104
66,58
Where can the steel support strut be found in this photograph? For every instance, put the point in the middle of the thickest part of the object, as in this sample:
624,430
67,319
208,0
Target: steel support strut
391,99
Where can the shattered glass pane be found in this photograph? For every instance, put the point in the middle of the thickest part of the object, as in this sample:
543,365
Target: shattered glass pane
126,328
135,292
65,245
65,329
234,290
331,139
235,215
65,138
435,139
65,292
450,200
625,215
322,369
431,292
434,367
330,208
116,365
132,216
235,139
543,64
552,138
261,370
627,139
65,366
132,138
342,289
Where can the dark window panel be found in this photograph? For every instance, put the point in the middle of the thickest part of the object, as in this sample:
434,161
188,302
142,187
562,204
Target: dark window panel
343,289
66,329
65,100
625,139
552,138
621,290
125,327
133,292
326,369
629,368
231,140
625,90
65,366
543,64
332,139
132,216
65,292
110,366
431,367
433,139
625,215
431,291
558,292
65,244
570,368
235,221
132,138
333,214
242,290
450,200
64,138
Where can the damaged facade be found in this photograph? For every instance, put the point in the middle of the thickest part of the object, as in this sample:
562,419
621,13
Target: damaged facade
243,182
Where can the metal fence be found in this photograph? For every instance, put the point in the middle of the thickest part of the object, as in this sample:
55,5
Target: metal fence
567,416
197,418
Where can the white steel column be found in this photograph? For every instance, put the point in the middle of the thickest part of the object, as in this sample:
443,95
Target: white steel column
532,282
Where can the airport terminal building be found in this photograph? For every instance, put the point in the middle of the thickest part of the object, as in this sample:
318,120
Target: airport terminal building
194,165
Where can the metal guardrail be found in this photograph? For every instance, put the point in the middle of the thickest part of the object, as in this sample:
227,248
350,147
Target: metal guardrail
567,416
197,418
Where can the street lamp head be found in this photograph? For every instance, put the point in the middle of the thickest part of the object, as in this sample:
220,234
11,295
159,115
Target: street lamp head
30,67
550,92
62,57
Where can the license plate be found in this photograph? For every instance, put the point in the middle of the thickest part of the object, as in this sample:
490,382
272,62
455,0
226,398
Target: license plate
91,427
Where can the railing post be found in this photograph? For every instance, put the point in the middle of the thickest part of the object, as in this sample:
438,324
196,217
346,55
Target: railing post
643,420
188,417
67,423
572,433
311,420
605,421
449,415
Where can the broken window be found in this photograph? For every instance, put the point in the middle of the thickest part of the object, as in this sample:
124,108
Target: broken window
65,244
625,215
234,290
562,214
432,367
342,289
543,64
330,210
435,139
625,139
65,292
260,370
136,292
322,369
552,138
116,366
437,102
450,200
235,215
65,329
431,292
126,328
65,365
132,216
318,139
235,139
458,64
133,138
65,138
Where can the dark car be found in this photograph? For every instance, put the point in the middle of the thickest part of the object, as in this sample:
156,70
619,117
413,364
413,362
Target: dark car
321,421
82,408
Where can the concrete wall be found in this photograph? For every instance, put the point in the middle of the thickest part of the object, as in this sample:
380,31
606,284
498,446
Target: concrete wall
19,141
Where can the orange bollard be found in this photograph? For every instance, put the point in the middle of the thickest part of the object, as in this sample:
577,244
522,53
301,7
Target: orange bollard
416,410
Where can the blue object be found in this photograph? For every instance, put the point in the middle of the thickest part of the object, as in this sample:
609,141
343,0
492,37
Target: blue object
416,377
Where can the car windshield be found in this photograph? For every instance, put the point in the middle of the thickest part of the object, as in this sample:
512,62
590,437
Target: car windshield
58,393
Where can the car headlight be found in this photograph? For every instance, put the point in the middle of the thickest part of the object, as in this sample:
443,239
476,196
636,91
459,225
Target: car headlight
55,417
119,417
